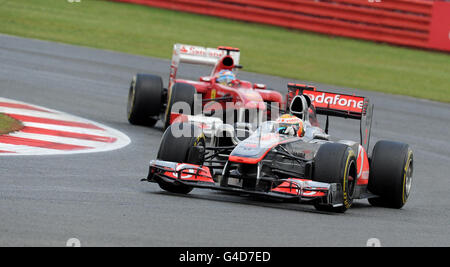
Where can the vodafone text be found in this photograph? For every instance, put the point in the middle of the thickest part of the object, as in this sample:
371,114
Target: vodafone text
336,99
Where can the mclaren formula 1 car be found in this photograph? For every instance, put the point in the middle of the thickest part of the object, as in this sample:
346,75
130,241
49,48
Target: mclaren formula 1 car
149,101
315,168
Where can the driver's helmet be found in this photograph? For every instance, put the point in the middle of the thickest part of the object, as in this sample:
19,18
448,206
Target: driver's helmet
290,125
226,77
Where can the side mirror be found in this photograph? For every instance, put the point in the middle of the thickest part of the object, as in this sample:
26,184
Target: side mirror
205,79
259,86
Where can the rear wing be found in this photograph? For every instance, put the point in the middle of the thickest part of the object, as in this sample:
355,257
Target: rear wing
199,55
338,105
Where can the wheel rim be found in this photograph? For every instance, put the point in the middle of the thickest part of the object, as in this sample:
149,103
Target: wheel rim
408,178
351,181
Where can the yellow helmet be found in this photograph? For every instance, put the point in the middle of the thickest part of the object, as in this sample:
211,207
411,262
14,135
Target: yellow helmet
290,125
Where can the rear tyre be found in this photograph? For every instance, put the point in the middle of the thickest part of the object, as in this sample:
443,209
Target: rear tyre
181,149
336,163
145,99
391,171
181,92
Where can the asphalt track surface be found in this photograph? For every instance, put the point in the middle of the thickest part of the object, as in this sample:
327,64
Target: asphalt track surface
97,198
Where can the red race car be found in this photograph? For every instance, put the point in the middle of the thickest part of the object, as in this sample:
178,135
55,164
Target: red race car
220,94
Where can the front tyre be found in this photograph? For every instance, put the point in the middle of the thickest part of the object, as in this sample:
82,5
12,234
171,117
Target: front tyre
188,148
391,171
145,99
336,163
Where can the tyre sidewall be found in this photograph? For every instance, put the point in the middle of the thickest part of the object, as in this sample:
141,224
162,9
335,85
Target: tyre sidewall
145,99
180,150
333,164
388,172
180,92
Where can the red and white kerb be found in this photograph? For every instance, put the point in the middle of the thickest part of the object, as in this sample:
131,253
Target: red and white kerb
49,132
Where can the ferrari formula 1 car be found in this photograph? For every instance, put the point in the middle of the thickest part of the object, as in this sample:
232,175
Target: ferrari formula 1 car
149,101
314,167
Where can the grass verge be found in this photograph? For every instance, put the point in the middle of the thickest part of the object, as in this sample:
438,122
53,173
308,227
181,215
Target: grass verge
8,124
265,49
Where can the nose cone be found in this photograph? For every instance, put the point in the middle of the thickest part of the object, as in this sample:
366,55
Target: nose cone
255,148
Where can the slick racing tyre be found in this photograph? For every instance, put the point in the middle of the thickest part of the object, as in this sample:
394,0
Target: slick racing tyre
145,99
391,171
181,92
188,148
336,163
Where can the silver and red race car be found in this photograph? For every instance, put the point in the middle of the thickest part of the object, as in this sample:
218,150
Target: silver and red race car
149,101
315,168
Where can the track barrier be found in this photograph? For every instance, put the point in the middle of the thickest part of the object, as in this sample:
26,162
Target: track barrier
414,23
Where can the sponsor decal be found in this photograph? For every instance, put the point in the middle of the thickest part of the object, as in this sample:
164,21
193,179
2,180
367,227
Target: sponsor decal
201,51
190,172
186,174
336,101
183,50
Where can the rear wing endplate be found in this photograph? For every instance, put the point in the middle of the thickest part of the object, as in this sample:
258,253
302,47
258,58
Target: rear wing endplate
338,105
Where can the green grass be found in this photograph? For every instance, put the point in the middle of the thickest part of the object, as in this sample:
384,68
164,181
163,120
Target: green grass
265,49
8,124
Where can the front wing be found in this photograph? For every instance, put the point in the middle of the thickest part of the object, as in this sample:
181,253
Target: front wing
197,176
